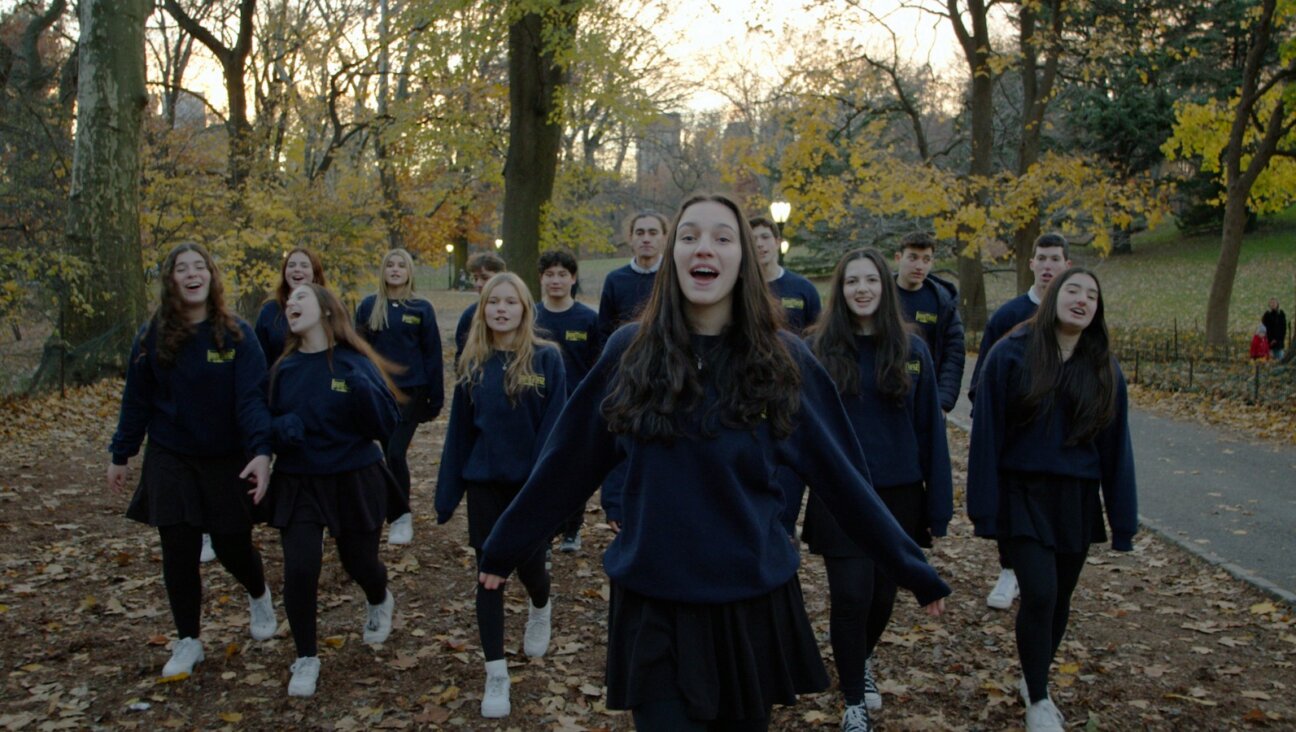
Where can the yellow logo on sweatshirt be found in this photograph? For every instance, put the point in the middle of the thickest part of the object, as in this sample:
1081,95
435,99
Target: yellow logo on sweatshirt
412,318
535,380
913,367
340,385
214,356
925,318
576,335
793,303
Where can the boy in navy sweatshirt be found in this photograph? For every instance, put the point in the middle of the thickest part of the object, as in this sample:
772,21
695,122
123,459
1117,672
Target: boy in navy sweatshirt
932,303
482,266
626,289
574,327
796,294
1050,257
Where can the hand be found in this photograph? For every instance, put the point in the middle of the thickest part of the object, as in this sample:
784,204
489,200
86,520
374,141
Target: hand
257,472
117,477
490,581
615,526
936,608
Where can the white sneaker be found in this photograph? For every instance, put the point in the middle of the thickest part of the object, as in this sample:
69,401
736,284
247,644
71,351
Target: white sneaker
263,621
856,719
495,702
208,553
535,641
379,623
570,544
185,654
1043,716
1005,591
1024,691
402,530
305,673
872,697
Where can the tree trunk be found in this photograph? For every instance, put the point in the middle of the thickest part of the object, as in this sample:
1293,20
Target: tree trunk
103,206
1221,290
535,132
976,51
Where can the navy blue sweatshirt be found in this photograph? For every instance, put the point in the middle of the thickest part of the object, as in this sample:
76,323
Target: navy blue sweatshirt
491,439
576,332
799,299
1017,310
702,513
625,292
211,402
328,411
271,331
1003,439
461,329
411,339
934,307
906,443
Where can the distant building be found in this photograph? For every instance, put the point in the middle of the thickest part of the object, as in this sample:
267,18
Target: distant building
190,112
655,154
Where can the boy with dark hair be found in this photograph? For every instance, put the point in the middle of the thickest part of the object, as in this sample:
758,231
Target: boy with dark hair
799,298
932,303
626,289
1050,257
574,327
482,266
1275,323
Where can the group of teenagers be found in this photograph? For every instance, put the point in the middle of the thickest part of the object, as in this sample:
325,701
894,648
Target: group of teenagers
706,393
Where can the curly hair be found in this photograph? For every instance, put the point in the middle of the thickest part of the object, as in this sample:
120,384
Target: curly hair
169,324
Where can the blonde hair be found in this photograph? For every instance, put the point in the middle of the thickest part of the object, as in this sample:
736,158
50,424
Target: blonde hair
378,316
479,346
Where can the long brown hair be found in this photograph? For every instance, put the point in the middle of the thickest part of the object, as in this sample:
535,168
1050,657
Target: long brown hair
1088,378
317,274
832,337
478,346
754,372
338,329
169,325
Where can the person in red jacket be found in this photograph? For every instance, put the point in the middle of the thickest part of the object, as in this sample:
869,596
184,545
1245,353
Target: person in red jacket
1260,344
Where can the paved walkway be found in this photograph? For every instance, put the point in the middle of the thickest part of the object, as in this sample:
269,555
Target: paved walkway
1227,498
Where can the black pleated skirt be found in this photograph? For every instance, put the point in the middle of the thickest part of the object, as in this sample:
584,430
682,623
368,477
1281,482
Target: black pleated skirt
730,661
906,503
1060,512
203,492
355,501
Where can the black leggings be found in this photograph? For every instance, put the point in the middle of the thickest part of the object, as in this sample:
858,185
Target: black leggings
670,715
1047,580
397,447
861,598
303,556
490,603
181,547
1005,562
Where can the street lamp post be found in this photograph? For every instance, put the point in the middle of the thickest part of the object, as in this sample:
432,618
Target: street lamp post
780,211
450,266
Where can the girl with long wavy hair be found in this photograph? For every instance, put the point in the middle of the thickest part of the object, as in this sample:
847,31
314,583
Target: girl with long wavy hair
195,386
333,403
401,326
888,386
1050,451
509,388
301,266
703,400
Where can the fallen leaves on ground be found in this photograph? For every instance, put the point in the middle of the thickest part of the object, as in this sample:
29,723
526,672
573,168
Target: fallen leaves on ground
1158,639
